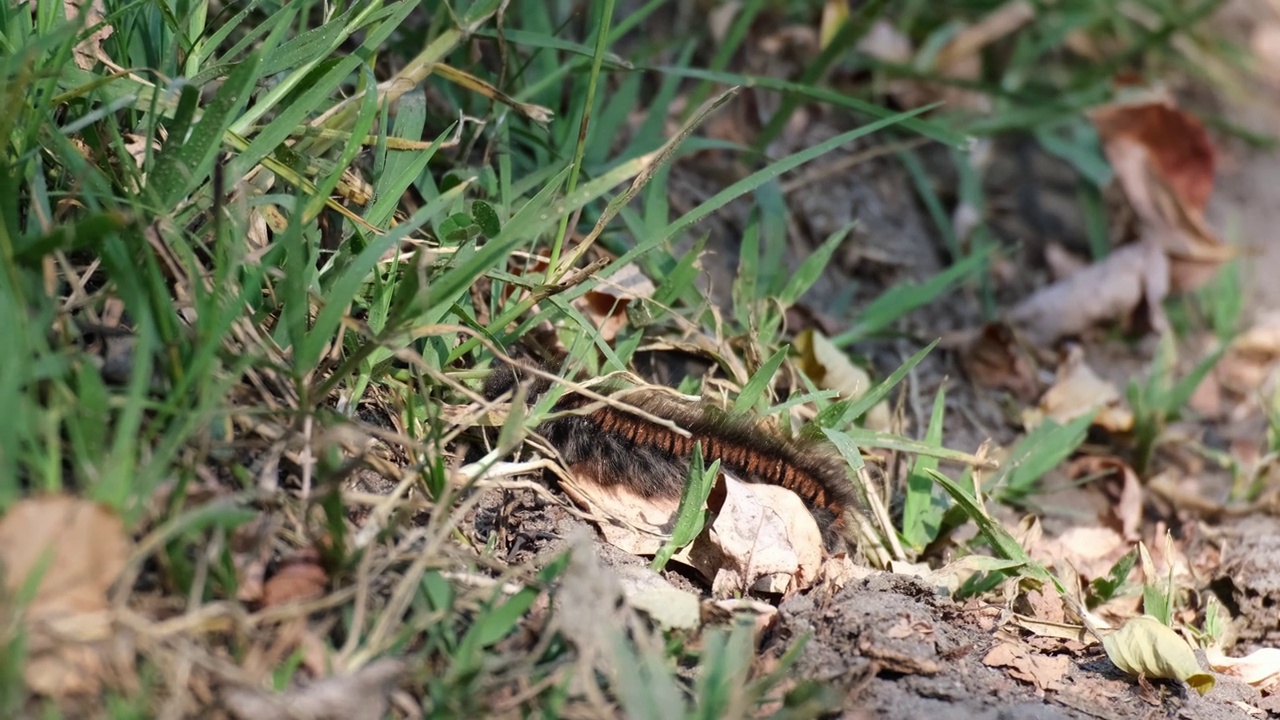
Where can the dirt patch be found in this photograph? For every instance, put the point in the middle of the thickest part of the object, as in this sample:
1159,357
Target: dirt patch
1247,575
901,651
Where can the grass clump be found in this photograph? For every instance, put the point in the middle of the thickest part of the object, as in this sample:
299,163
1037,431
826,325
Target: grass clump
255,255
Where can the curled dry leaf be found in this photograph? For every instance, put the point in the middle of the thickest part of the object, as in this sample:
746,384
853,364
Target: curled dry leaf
1077,391
606,304
840,570
1128,285
1147,648
78,549
831,369
1260,668
1250,364
959,59
87,52
1124,490
1025,664
1164,161
994,359
763,538
298,578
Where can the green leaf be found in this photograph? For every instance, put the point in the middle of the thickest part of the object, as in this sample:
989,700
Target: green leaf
812,267
691,516
1146,647
185,162
840,414
759,382
1104,589
922,511
902,298
486,217
88,231
1040,451
1004,544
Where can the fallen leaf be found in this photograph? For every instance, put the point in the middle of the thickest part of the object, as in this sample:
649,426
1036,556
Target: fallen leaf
830,368
1133,278
1067,632
1260,668
361,695
834,15
1077,391
1123,489
1164,161
1023,663
630,521
1147,648
606,304
763,538
840,570
1045,606
1092,551
959,59
77,549
1250,363
87,52
298,578
650,593
1166,141
994,359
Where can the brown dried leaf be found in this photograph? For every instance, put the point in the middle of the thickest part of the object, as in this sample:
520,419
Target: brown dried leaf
996,25
1157,138
1250,364
298,578
761,535
87,52
1077,391
630,521
1091,551
994,359
1131,279
606,304
77,549
1123,488
1164,161
1023,663
831,369
763,538
80,547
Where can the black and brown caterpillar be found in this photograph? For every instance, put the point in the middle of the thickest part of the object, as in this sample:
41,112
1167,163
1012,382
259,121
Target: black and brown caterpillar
614,446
